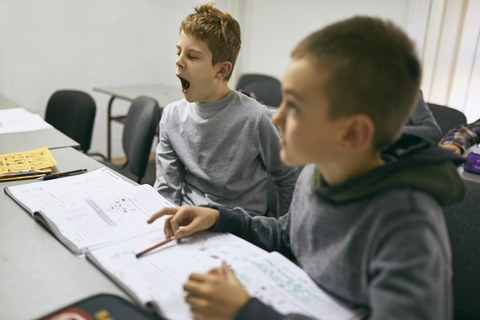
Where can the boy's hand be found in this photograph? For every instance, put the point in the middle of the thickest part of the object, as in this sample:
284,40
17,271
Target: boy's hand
452,147
193,219
215,295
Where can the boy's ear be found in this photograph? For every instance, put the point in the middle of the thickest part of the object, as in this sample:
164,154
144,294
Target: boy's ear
224,70
358,133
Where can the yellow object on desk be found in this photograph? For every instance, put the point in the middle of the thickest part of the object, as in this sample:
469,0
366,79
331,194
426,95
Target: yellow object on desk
26,164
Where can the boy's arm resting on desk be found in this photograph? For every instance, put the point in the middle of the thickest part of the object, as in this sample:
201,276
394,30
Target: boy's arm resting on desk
169,169
255,309
423,124
464,136
267,233
283,176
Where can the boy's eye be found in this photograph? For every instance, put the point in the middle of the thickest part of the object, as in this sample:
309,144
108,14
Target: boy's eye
191,57
178,53
292,106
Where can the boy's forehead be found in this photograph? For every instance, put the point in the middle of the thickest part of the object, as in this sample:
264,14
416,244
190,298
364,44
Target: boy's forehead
188,41
303,76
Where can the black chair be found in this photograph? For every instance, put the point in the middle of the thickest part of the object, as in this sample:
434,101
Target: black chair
140,125
266,89
447,118
73,113
463,224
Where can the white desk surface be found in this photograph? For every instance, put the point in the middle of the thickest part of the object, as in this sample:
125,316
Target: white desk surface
21,141
163,94
28,140
38,275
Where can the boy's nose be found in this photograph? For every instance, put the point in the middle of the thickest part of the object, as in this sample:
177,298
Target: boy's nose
179,62
278,117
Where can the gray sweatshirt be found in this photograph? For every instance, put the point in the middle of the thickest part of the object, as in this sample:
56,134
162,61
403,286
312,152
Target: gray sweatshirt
378,241
423,124
220,154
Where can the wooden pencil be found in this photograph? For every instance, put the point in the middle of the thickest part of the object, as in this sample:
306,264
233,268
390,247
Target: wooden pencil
138,255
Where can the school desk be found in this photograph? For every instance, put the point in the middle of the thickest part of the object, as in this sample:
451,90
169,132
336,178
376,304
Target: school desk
163,94
27,140
38,274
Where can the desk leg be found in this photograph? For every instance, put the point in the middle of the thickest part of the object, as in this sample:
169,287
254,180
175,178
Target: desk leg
109,129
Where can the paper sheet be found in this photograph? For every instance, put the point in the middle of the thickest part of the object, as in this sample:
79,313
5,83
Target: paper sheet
159,275
47,195
19,119
277,282
35,159
98,220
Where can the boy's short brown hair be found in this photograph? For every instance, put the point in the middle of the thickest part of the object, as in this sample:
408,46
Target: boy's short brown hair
218,29
374,70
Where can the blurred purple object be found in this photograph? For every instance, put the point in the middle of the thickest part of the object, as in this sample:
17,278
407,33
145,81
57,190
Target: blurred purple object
473,163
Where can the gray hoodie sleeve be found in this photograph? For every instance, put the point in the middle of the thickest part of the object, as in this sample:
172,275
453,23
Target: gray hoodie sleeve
423,124
255,309
282,175
169,169
268,233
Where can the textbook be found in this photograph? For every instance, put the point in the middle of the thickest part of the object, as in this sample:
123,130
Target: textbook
90,210
155,281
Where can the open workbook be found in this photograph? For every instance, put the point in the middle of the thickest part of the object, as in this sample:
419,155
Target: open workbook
90,210
156,279
104,216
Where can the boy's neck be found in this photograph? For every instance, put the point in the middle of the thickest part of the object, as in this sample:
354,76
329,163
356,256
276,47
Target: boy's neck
220,91
349,166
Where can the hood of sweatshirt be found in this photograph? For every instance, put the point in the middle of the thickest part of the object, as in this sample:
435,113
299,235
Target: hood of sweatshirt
409,163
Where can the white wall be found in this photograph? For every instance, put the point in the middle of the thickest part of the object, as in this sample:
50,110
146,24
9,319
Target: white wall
272,28
52,44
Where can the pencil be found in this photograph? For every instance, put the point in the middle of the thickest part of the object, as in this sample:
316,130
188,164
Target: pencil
138,255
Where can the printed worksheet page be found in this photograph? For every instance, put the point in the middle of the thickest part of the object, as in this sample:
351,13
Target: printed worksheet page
94,221
20,119
70,191
159,275
278,282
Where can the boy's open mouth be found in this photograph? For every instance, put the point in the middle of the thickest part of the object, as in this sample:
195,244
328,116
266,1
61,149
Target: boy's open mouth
185,84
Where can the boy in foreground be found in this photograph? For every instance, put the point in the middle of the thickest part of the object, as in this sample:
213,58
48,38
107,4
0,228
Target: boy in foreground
217,146
365,221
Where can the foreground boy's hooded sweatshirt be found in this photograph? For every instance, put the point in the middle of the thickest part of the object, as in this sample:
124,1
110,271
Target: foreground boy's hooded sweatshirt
377,241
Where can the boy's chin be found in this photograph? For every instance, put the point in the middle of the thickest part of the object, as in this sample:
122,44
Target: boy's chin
288,160
189,97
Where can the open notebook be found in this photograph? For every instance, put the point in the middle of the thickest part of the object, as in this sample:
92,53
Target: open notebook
156,279
100,214
92,209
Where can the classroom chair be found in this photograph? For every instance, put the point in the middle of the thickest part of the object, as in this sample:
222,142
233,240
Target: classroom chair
463,224
446,117
140,124
266,89
73,113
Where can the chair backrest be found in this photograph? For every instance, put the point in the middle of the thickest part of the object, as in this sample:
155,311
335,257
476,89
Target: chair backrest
446,117
73,113
267,89
463,224
140,126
